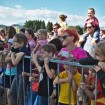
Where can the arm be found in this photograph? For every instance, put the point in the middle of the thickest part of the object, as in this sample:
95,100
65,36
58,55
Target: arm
8,57
87,91
36,62
36,48
74,84
16,57
50,72
59,80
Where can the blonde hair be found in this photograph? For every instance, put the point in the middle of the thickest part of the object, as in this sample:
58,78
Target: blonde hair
43,33
100,48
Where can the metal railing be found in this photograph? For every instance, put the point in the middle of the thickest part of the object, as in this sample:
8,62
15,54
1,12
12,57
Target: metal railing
58,71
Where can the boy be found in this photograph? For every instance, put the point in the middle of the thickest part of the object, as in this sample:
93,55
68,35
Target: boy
47,72
69,80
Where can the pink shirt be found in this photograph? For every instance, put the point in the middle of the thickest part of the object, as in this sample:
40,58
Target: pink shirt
41,43
95,22
32,44
78,53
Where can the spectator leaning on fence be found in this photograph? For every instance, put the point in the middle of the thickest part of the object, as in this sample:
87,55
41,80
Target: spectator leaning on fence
70,37
47,72
69,79
17,91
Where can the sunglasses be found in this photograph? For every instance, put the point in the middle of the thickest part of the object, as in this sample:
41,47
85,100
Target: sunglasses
65,36
89,27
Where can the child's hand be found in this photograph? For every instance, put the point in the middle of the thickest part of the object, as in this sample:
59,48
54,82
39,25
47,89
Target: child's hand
24,73
31,78
102,65
59,56
46,60
96,68
70,75
79,92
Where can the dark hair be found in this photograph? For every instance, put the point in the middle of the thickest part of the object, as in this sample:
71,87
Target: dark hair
30,32
63,17
49,48
103,31
3,31
56,25
11,32
57,42
92,9
21,38
22,30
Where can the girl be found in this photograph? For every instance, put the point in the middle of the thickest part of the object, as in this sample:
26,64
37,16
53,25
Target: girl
17,92
10,35
41,40
63,23
30,36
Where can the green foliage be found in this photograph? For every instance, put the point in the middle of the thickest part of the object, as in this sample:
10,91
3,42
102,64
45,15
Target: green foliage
79,29
35,24
49,26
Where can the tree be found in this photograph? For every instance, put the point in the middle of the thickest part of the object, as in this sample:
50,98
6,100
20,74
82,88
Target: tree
43,25
49,26
29,24
79,29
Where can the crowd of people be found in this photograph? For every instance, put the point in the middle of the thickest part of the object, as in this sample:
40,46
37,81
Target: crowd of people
37,82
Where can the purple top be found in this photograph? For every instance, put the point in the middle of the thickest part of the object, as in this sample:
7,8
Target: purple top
95,22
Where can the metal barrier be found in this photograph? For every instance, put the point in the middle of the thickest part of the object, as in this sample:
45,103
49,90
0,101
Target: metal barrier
58,71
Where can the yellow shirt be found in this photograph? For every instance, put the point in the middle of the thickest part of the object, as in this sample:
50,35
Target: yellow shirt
64,89
101,101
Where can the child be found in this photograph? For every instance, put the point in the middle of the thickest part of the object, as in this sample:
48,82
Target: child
17,92
41,40
68,79
98,61
90,89
63,23
10,73
1,61
33,78
47,72
94,20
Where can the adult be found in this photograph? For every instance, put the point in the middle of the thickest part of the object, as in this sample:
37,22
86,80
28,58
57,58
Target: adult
90,40
30,36
55,29
102,35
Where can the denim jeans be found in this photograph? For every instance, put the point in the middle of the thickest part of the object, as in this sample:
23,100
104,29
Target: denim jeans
41,100
29,101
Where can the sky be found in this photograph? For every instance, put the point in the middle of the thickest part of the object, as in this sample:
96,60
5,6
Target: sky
20,11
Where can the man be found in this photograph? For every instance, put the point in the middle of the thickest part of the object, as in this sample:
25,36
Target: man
90,40
102,35
55,29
